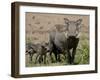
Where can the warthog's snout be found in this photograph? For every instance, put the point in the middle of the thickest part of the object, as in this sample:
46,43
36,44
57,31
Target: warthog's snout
72,37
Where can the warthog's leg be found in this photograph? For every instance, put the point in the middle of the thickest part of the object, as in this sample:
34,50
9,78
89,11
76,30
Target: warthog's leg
31,56
73,55
51,51
45,59
69,57
50,54
55,56
74,50
59,59
51,57
40,58
37,58
65,55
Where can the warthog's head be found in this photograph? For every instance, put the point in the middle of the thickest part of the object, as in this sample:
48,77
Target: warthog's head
30,49
73,27
45,47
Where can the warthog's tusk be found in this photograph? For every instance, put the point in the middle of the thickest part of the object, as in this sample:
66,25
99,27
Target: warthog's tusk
65,33
78,35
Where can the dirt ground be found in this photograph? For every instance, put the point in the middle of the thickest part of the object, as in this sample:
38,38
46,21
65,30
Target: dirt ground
39,25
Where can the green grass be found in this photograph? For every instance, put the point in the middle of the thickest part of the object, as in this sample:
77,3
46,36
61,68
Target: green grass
81,57
82,53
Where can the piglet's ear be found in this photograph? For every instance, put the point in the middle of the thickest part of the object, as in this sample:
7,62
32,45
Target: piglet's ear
46,43
66,20
79,21
42,46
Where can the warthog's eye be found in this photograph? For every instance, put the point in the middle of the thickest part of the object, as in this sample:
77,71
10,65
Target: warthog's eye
26,51
77,29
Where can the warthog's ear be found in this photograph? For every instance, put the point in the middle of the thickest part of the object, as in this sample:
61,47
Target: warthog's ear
58,27
46,43
78,22
42,46
66,20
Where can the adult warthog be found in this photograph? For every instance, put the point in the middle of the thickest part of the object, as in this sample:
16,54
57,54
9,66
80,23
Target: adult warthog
65,40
